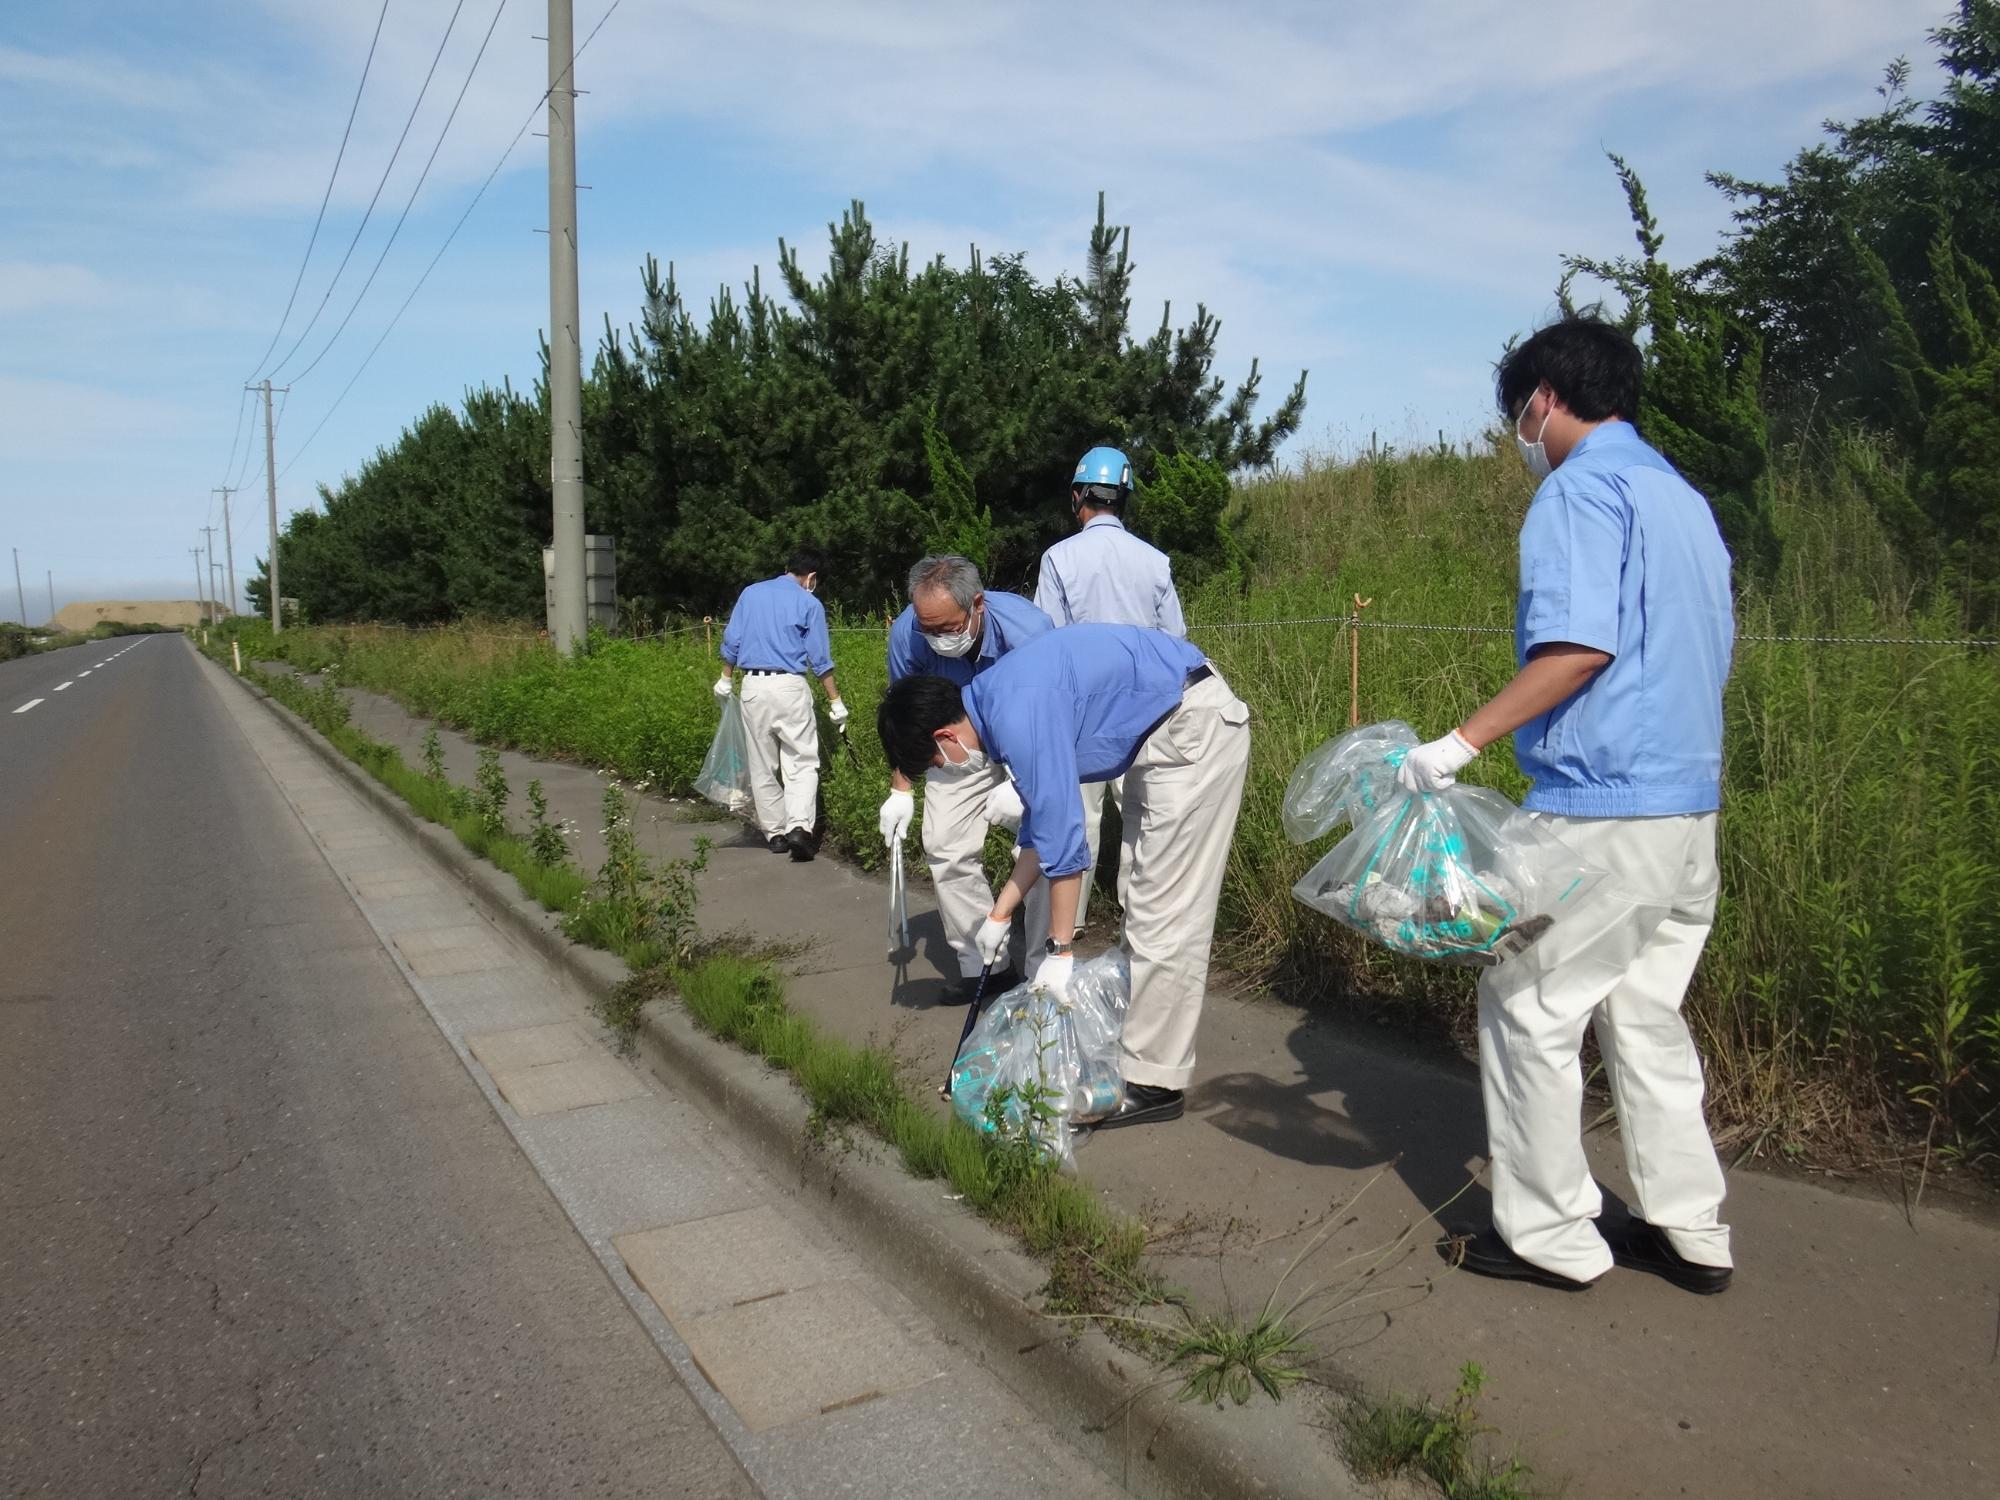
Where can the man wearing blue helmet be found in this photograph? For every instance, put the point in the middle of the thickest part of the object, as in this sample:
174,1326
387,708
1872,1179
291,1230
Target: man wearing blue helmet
1105,575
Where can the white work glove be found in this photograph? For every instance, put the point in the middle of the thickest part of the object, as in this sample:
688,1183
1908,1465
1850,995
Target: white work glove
1054,974
1435,766
1003,806
895,817
837,712
722,686
990,942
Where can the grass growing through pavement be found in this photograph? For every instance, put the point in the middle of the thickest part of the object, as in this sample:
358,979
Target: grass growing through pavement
1093,1252
1432,1440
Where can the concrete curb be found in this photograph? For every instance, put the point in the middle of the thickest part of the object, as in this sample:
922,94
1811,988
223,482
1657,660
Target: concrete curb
1106,1402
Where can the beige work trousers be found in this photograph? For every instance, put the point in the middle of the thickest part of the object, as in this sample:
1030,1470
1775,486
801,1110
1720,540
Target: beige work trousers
784,750
1182,793
1624,976
954,834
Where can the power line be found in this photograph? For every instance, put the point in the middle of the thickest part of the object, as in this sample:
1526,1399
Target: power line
384,182
325,198
409,202
490,176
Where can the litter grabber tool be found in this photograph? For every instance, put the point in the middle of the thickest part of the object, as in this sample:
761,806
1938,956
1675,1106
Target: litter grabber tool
899,905
971,1017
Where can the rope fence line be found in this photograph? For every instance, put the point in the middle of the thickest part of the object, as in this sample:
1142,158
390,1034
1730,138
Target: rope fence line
1345,622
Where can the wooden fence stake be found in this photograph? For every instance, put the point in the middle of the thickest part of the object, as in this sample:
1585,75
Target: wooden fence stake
1354,663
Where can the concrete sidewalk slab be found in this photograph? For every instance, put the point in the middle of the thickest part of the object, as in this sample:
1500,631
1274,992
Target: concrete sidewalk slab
703,1265
576,1084
794,1355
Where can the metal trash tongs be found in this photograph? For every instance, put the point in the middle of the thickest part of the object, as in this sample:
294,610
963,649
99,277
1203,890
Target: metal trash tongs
899,904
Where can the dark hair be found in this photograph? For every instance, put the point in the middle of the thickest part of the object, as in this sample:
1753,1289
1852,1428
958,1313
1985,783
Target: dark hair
1592,366
804,560
912,711
1098,496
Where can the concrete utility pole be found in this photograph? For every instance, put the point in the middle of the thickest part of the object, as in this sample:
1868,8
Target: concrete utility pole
271,495
21,598
215,598
228,545
565,350
195,553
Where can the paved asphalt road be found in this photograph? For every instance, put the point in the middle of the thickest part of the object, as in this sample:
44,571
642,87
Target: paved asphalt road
259,1231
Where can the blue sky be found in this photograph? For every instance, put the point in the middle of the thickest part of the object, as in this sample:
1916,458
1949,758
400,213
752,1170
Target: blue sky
1377,193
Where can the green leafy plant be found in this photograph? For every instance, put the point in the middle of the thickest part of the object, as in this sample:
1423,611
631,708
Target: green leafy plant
490,792
546,844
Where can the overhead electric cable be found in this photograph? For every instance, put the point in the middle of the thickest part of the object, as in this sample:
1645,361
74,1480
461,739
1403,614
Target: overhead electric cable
410,202
384,182
502,162
352,110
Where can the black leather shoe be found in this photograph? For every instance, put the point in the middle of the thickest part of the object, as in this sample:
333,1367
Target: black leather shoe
997,984
777,845
1484,1253
800,842
1639,1246
1145,1105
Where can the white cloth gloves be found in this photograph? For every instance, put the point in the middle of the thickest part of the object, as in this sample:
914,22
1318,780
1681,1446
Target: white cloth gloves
895,818
1435,766
990,942
1003,806
1054,974
723,685
837,712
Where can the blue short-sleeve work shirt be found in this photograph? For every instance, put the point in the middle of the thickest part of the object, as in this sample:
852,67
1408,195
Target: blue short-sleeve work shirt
1622,555
1075,705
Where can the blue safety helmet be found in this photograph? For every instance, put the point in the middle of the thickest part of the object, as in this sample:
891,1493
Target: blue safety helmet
1104,466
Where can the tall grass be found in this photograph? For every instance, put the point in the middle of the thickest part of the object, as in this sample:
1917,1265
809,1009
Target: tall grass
1853,981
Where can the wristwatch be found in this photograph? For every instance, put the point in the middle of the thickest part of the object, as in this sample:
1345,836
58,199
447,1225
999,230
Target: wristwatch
1055,949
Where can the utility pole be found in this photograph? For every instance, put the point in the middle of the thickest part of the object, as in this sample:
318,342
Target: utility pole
271,485
228,544
565,349
208,537
195,552
19,597
215,588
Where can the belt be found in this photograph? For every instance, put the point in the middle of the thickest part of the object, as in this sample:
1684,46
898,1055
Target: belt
1200,674
767,672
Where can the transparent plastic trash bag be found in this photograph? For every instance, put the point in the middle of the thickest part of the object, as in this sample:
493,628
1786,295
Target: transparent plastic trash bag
725,771
1035,1067
1460,876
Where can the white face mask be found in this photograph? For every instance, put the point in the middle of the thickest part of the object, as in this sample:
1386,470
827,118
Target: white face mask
975,760
1534,455
952,645
958,642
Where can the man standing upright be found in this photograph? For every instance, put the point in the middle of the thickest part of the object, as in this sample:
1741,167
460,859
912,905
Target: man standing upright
955,628
777,635
1624,630
1106,575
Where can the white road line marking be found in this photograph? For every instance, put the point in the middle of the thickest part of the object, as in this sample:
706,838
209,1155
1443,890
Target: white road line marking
61,685
86,672
28,705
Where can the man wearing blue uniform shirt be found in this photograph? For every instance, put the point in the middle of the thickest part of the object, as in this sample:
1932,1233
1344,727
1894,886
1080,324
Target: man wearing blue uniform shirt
954,628
1624,631
1105,574
777,635
1085,704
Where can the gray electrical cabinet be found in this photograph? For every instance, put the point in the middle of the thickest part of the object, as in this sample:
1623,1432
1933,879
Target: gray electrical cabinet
600,583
